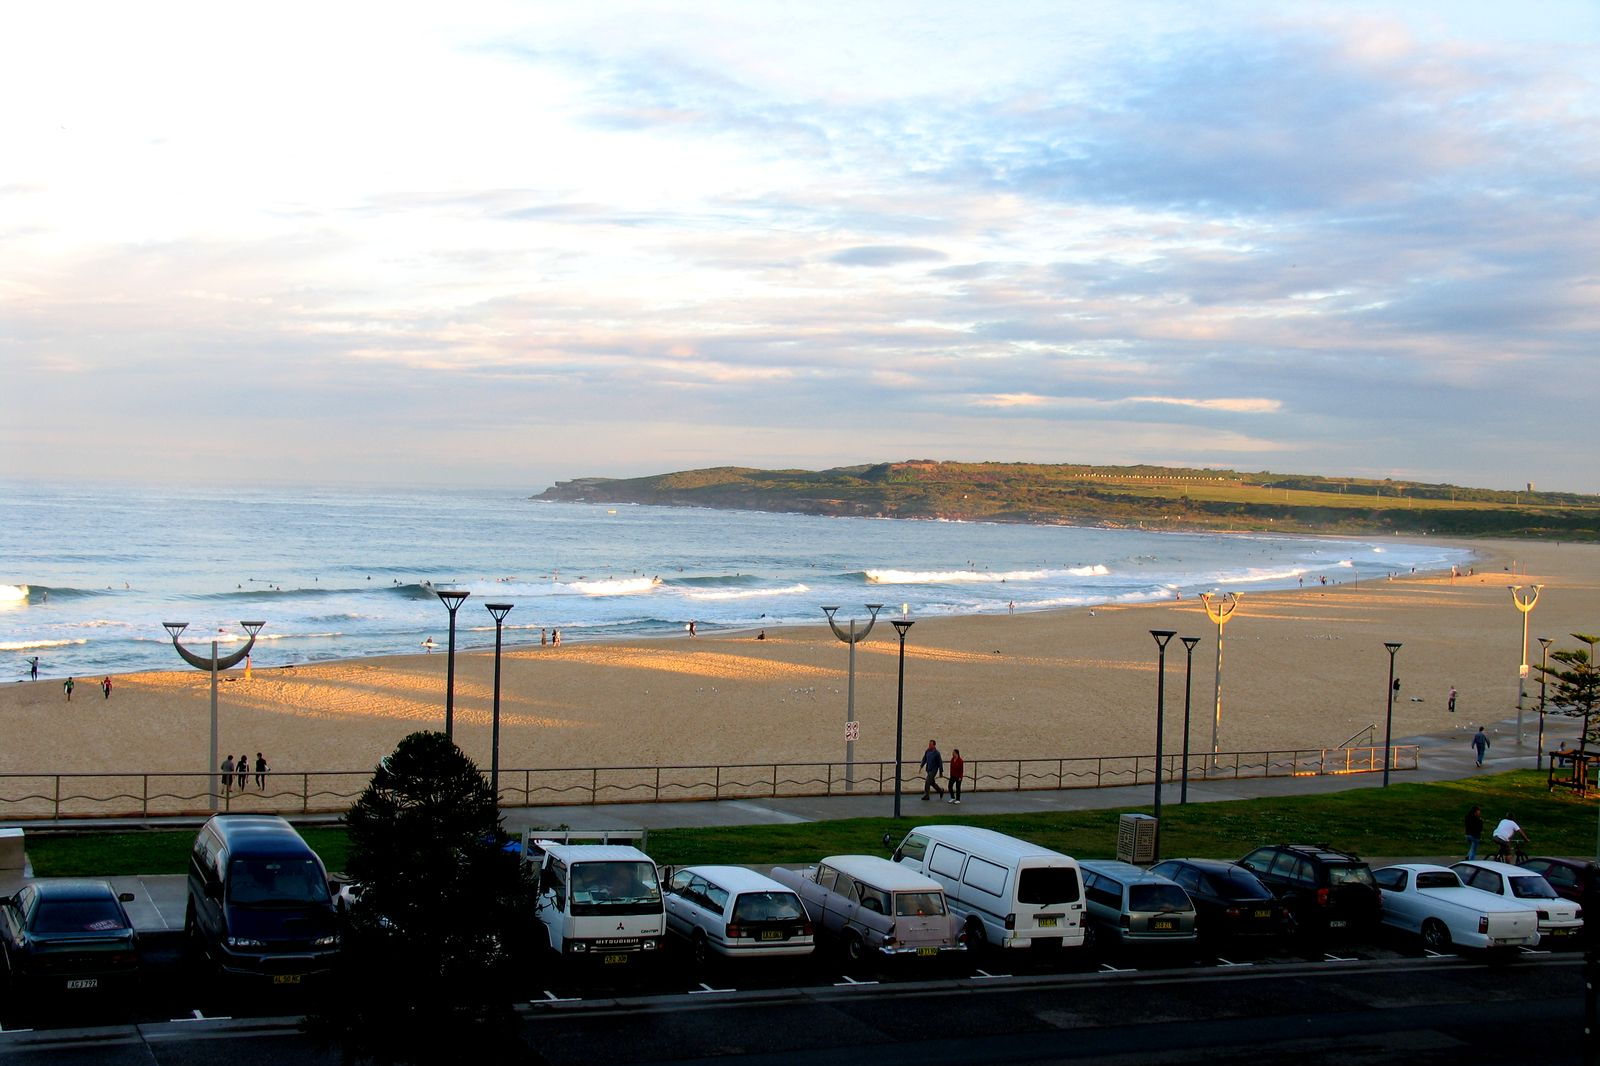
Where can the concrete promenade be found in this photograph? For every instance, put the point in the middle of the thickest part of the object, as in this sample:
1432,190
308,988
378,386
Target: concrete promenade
159,900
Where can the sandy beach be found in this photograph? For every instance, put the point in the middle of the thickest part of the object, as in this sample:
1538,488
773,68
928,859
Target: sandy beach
1302,669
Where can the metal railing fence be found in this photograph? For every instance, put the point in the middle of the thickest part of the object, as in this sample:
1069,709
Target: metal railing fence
35,796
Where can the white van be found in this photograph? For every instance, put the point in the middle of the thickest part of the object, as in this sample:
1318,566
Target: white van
599,902
1010,893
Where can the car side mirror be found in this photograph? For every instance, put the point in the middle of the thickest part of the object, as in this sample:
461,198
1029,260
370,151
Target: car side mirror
887,840
125,897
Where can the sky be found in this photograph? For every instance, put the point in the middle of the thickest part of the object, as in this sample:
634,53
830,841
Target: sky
505,244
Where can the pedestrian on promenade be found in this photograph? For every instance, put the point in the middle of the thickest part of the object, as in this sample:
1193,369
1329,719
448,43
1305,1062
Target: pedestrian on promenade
932,763
105,686
1474,831
261,772
244,771
227,775
1480,743
66,686
958,771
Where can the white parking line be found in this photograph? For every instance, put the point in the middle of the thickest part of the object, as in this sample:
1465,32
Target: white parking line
3,1029
1330,957
1106,967
848,980
705,988
984,974
551,997
196,1016
1229,962
1429,953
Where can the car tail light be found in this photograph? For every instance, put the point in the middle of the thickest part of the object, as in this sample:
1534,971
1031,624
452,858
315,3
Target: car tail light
734,932
1011,921
1233,912
1483,923
1125,922
1544,916
889,941
805,930
1579,914
1322,897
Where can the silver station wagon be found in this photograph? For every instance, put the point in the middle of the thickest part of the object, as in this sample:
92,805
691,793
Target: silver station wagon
1132,906
732,912
874,908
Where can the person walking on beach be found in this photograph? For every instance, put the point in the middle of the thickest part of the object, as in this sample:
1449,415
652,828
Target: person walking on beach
105,686
261,772
958,771
244,771
1452,699
555,638
1480,743
33,669
932,763
1474,829
427,646
66,686
227,775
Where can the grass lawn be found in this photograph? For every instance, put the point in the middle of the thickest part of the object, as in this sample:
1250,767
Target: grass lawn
1403,820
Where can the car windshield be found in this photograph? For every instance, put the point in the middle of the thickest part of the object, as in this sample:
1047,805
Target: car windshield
276,882
614,887
78,916
1349,875
1157,898
911,904
1531,888
768,907
1237,884
1044,885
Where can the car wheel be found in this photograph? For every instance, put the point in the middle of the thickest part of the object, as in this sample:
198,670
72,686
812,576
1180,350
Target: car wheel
699,950
1435,937
1091,939
977,938
855,949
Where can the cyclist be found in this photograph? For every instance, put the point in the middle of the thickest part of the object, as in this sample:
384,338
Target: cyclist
1506,834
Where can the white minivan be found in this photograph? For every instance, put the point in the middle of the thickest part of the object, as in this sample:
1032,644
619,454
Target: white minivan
1010,893
599,903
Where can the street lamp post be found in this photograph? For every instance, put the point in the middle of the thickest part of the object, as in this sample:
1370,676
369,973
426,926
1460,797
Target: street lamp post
1219,612
1388,721
1188,675
851,726
499,610
452,599
900,625
214,664
1525,604
1544,665
1162,636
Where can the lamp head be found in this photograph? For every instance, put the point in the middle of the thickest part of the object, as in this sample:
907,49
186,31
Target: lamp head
874,608
174,628
499,610
1545,642
452,598
1190,642
902,624
1393,646
252,627
1162,636
829,611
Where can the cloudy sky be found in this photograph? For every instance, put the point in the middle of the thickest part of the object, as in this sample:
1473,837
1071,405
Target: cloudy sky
502,244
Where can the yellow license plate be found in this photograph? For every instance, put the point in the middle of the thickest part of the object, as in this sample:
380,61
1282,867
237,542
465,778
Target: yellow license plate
1164,925
285,978
614,960
1559,932
772,934
927,951
1047,923
1263,914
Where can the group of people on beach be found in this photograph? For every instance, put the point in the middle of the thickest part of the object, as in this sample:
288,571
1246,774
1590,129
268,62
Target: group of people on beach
933,764
71,683
239,771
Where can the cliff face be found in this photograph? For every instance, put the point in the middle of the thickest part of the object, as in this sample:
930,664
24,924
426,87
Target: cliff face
1153,497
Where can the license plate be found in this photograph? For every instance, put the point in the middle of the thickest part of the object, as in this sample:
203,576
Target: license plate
1559,932
1264,914
772,934
84,982
285,978
1164,925
1336,923
614,960
1047,923
927,951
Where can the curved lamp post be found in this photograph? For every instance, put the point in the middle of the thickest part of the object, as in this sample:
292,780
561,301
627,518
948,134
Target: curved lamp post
1162,636
1388,720
851,638
900,625
1544,667
213,664
452,599
1188,676
1525,604
1219,613
499,610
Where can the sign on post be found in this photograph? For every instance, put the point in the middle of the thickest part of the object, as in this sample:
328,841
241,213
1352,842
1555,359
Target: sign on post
852,731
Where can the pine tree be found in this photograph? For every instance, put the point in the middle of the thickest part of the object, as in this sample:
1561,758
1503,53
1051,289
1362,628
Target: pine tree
1573,687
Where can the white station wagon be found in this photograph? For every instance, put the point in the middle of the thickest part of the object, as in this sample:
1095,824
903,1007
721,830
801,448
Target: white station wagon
733,912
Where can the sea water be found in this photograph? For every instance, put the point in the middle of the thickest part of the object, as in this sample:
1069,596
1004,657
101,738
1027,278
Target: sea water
89,574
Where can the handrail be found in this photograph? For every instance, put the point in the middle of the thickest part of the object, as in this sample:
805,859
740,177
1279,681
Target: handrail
1370,733
37,796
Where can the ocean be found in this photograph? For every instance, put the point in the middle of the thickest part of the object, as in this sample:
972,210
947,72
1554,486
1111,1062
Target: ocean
88,574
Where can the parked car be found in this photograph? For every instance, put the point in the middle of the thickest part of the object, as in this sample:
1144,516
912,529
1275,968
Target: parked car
1326,892
876,909
1231,904
72,935
259,901
1432,902
1569,877
1011,894
599,903
1128,905
733,912
1560,920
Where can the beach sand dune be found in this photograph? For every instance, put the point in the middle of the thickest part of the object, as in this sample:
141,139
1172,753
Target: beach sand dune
1301,669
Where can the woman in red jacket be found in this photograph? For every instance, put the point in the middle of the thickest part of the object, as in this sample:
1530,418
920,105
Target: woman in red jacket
958,770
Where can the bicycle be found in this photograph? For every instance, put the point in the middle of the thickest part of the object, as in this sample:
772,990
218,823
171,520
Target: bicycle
1517,857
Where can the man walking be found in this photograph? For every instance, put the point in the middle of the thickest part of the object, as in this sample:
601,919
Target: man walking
66,686
261,772
932,763
1480,743
105,686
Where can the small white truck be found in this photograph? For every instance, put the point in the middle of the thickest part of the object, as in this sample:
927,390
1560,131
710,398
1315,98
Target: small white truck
1432,902
598,903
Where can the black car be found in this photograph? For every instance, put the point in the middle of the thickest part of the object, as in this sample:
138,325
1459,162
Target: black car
1233,904
69,934
1326,892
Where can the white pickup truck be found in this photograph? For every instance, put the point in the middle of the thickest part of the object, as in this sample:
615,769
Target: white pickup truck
1432,902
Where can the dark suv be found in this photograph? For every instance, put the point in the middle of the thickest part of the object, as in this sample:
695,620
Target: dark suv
1326,892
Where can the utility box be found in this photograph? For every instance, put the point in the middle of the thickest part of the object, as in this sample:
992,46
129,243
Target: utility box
13,856
1136,838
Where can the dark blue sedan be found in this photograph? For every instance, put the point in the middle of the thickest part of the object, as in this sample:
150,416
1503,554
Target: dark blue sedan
67,935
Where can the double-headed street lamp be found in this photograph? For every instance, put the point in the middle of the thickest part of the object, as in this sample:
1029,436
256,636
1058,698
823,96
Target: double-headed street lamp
1188,676
1388,721
1162,636
1525,604
213,664
851,637
452,599
900,625
499,610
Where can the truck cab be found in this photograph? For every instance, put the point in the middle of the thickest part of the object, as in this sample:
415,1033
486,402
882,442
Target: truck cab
599,903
